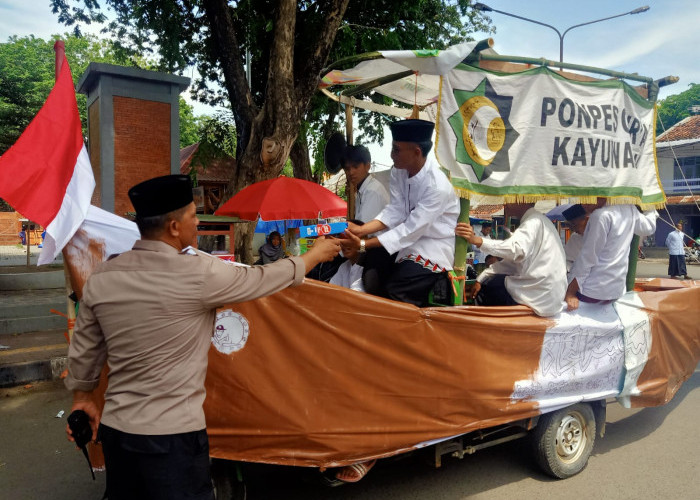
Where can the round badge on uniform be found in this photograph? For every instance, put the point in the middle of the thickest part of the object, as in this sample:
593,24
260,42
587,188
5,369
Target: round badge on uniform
230,331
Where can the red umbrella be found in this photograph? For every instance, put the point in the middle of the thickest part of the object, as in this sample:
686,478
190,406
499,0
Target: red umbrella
284,198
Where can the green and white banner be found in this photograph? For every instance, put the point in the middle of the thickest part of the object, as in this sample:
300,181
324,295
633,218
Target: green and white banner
536,135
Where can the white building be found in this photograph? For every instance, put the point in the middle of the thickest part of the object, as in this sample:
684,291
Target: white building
678,155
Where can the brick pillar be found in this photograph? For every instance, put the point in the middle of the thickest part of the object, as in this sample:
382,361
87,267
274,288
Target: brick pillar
133,129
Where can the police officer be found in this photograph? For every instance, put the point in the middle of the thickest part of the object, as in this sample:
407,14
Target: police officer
149,313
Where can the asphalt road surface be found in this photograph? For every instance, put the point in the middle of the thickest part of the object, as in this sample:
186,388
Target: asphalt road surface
651,453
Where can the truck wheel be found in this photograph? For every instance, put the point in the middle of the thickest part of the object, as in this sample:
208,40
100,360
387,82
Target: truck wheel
563,440
227,480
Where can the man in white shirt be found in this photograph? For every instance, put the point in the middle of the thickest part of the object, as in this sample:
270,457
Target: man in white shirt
676,253
485,232
370,200
577,218
349,273
599,273
371,195
533,269
418,223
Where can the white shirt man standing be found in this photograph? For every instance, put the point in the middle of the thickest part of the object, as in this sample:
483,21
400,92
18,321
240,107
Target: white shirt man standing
485,233
676,253
577,219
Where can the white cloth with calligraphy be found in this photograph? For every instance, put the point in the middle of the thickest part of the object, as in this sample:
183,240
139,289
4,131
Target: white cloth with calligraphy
582,359
591,353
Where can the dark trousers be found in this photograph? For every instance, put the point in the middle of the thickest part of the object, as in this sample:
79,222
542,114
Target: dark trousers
410,282
168,467
377,266
676,265
494,293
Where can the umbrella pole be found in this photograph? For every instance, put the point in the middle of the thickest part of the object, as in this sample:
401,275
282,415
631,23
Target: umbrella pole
349,188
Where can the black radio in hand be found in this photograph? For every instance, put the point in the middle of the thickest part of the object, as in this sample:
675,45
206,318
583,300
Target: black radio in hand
79,424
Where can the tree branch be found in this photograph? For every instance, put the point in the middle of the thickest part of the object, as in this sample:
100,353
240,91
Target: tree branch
230,59
280,78
309,75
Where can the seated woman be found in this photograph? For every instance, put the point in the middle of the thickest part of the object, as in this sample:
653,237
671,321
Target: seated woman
272,250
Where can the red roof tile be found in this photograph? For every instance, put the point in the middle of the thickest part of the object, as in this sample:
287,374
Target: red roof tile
688,128
484,211
218,170
683,200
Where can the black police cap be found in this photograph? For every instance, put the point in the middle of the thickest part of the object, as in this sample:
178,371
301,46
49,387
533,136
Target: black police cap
161,195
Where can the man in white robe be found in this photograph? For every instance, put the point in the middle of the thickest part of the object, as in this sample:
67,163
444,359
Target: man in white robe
533,269
418,224
599,273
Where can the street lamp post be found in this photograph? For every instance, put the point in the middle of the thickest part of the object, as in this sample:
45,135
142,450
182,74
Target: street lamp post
485,8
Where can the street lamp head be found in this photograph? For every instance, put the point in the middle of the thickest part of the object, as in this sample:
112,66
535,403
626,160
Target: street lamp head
639,10
485,8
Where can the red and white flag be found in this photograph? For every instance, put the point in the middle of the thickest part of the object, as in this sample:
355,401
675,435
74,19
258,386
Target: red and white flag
46,175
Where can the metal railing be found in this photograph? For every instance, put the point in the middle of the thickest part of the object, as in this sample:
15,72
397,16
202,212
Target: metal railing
681,186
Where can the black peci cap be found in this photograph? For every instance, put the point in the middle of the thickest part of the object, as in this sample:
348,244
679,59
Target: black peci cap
574,212
161,195
412,130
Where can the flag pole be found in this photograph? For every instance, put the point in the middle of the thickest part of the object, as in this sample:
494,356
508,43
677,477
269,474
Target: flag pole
60,49
95,448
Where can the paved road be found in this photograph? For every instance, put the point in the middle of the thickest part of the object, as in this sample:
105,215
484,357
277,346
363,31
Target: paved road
658,268
652,453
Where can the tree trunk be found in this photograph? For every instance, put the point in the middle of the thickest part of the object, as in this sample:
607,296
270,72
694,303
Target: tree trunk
266,135
300,161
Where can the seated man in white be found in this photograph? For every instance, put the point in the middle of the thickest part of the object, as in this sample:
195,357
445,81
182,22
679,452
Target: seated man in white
533,269
599,273
371,196
577,218
418,223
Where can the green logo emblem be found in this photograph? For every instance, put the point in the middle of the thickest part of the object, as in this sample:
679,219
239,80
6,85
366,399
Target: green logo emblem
483,131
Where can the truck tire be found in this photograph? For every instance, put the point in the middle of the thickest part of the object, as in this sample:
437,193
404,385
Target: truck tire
227,481
563,440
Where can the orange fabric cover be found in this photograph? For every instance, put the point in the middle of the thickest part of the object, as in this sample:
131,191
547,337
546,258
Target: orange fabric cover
329,376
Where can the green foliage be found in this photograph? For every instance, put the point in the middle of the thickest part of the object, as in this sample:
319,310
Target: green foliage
176,33
189,125
216,136
387,25
288,169
675,107
27,76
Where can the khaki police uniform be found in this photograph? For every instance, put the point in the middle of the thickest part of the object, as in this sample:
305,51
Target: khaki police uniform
149,313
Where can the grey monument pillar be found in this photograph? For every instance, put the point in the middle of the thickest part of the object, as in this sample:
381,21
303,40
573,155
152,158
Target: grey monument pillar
133,129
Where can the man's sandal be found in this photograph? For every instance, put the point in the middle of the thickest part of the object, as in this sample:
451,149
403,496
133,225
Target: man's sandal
353,473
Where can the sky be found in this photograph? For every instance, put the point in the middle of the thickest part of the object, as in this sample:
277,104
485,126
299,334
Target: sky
660,42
